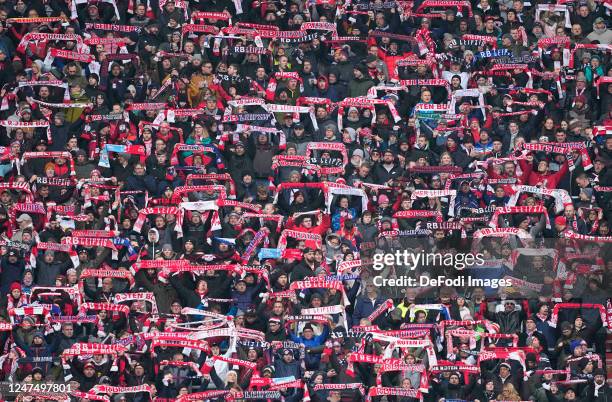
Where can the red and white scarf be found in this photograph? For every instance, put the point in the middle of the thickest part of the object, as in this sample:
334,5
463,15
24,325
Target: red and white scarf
538,209
28,124
106,273
558,306
142,215
295,234
68,55
387,391
38,36
561,196
328,146
79,349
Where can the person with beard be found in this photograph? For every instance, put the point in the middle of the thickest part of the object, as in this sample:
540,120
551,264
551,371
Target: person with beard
73,74
246,189
278,309
402,150
353,119
388,170
361,82
84,374
300,137
78,96
455,71
150,40
509,318
597,390
261,150
251,64
451,388
306,267
195,230
309,79
135,375
341,66
601,34
422,149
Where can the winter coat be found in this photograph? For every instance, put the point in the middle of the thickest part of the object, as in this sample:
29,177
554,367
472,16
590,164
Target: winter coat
359,87
46,273
284,369
164,294
10,273
364,307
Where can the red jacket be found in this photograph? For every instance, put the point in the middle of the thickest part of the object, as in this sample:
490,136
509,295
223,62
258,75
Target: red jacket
550,180
521,179
320,229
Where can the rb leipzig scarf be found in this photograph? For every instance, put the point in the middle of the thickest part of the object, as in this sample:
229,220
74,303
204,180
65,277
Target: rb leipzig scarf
27,124
558,306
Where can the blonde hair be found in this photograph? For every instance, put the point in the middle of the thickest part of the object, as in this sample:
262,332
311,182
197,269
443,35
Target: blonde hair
231,372
512,394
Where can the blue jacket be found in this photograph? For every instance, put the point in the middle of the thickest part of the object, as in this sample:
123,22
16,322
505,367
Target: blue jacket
310,343
244,300
312,360
10,273
364,307
340,213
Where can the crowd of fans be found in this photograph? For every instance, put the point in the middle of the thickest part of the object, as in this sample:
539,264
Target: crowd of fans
194,193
